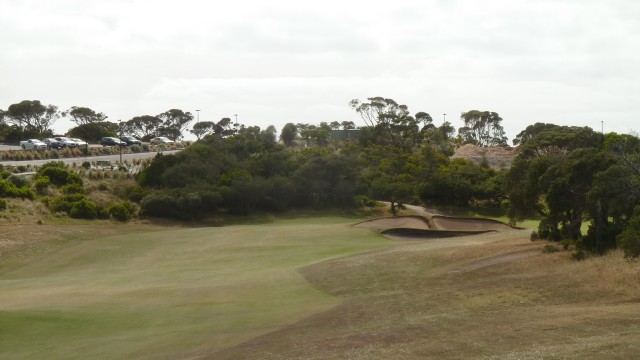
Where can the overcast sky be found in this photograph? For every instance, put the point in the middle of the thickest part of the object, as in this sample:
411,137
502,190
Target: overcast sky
569,62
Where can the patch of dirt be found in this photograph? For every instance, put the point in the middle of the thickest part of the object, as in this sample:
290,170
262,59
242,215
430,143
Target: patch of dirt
496,157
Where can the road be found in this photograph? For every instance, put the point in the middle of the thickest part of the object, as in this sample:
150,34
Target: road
79,160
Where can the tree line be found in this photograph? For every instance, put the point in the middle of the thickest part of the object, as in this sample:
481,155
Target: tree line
32,119
569,178
383,118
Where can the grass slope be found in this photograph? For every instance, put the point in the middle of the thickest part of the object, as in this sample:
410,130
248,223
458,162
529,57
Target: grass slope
175,293
485,297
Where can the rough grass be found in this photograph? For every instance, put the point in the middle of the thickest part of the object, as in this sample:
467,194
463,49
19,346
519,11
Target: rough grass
171,293
316,288
493,296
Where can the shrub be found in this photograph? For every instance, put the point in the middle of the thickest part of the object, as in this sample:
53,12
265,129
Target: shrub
18,181
84,209
548,249
73,189
3,204
58,174
135,148
86,165
122,211
64,203
629,239
9,189
534,236
42,184
580,254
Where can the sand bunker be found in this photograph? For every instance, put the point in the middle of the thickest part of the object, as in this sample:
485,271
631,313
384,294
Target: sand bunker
468,224
409,222
418,227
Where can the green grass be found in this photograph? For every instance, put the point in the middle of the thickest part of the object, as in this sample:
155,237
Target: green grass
171,293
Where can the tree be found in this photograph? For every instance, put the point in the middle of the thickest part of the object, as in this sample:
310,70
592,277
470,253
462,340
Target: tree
203,128
83,115
348,125
482,128
225,128
144,127
32,117
93,132
174,123
391,121
288,134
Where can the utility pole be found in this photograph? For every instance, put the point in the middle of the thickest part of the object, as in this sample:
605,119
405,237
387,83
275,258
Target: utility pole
120,145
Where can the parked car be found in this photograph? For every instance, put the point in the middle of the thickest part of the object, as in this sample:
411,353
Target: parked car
33,144
161,140
80,142
111,141
53,143
131,140
67,142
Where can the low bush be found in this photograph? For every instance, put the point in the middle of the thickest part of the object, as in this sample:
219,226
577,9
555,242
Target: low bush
548,249
3,204
84,209
534,236
122,211
42,184
19,181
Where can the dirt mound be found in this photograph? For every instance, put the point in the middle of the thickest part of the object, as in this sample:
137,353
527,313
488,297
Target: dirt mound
496,157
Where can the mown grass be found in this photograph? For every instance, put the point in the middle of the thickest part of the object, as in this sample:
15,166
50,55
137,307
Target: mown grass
169,293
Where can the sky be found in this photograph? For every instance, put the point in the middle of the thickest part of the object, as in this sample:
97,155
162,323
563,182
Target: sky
568,62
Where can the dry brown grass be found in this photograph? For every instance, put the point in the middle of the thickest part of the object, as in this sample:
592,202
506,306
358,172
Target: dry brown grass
492,296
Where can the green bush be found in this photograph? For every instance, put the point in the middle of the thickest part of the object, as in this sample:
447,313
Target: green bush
629,239
9,189
18,181
580,254
64,203
86,164
84,209
58,174
135,148
3,204
534,236
122,211
42,184
73,189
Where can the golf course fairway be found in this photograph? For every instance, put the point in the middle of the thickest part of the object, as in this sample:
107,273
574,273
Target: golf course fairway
171,293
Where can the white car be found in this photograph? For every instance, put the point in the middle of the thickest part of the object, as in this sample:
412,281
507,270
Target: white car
66,141
80,142
161,140
33,144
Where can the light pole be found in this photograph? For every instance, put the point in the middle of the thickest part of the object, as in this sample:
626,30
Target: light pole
236,115
198,115
444,118
602,126
120,145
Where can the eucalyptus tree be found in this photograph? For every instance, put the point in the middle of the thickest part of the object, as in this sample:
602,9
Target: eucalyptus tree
174,123
32,117
391,122
482,128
